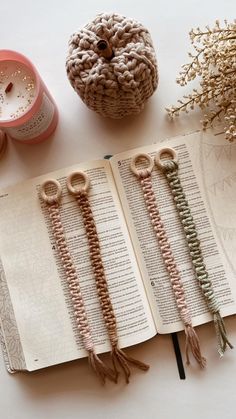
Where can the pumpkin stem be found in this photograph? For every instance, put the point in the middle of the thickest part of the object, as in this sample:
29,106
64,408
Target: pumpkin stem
104,49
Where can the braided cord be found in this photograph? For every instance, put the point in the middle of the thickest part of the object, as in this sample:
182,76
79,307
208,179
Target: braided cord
119,357
78,303
192,341
71,276
170,169
165,248
97,264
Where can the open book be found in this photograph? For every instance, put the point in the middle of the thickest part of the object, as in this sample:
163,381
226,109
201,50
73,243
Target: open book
36,312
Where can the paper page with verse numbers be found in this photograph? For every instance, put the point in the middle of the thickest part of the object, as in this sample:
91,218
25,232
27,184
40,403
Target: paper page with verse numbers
195,171
36,279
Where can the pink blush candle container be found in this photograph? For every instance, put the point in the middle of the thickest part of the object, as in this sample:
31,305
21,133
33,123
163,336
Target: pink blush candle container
36,121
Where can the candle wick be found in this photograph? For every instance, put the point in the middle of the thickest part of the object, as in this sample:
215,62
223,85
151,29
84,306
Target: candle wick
9,87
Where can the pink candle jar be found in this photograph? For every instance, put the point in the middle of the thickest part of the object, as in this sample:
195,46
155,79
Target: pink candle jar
28,112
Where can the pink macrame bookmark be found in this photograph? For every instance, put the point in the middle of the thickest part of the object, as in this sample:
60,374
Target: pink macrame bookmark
144,176
119,357
53,201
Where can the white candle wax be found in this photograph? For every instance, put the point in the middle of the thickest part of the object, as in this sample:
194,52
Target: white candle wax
17,89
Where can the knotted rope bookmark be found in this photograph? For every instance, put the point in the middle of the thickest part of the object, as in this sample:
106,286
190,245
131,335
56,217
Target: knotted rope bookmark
81,317
170,169
144,176
119,357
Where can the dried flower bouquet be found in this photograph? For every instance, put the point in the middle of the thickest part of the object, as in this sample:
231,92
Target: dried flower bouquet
214,61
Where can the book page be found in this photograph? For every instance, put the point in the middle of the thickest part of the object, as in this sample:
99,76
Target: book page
217,164
147,250
36,279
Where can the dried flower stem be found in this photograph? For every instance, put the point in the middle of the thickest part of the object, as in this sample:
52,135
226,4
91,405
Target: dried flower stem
214,62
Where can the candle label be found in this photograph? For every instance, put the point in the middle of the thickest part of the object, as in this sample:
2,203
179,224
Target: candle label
36,125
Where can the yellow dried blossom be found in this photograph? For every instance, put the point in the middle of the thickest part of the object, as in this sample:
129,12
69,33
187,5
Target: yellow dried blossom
214,62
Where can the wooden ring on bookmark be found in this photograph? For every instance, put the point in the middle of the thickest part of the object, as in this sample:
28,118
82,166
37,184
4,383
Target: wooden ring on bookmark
165,150
55,197
141,172
76,190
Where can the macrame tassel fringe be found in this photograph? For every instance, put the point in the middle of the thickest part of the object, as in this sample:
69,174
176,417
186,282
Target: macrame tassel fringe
221,333
192,343
121,358
101,369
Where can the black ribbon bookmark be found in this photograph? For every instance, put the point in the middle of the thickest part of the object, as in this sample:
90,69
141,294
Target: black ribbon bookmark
178,356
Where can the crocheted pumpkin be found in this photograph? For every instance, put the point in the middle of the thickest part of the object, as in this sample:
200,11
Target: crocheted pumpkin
112,65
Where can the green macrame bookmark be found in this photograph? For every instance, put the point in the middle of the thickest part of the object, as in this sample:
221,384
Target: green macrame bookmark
170,169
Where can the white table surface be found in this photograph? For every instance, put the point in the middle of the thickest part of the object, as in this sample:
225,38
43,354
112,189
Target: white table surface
40,30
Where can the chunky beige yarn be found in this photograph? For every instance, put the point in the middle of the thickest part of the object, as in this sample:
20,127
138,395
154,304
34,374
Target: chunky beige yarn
120,84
